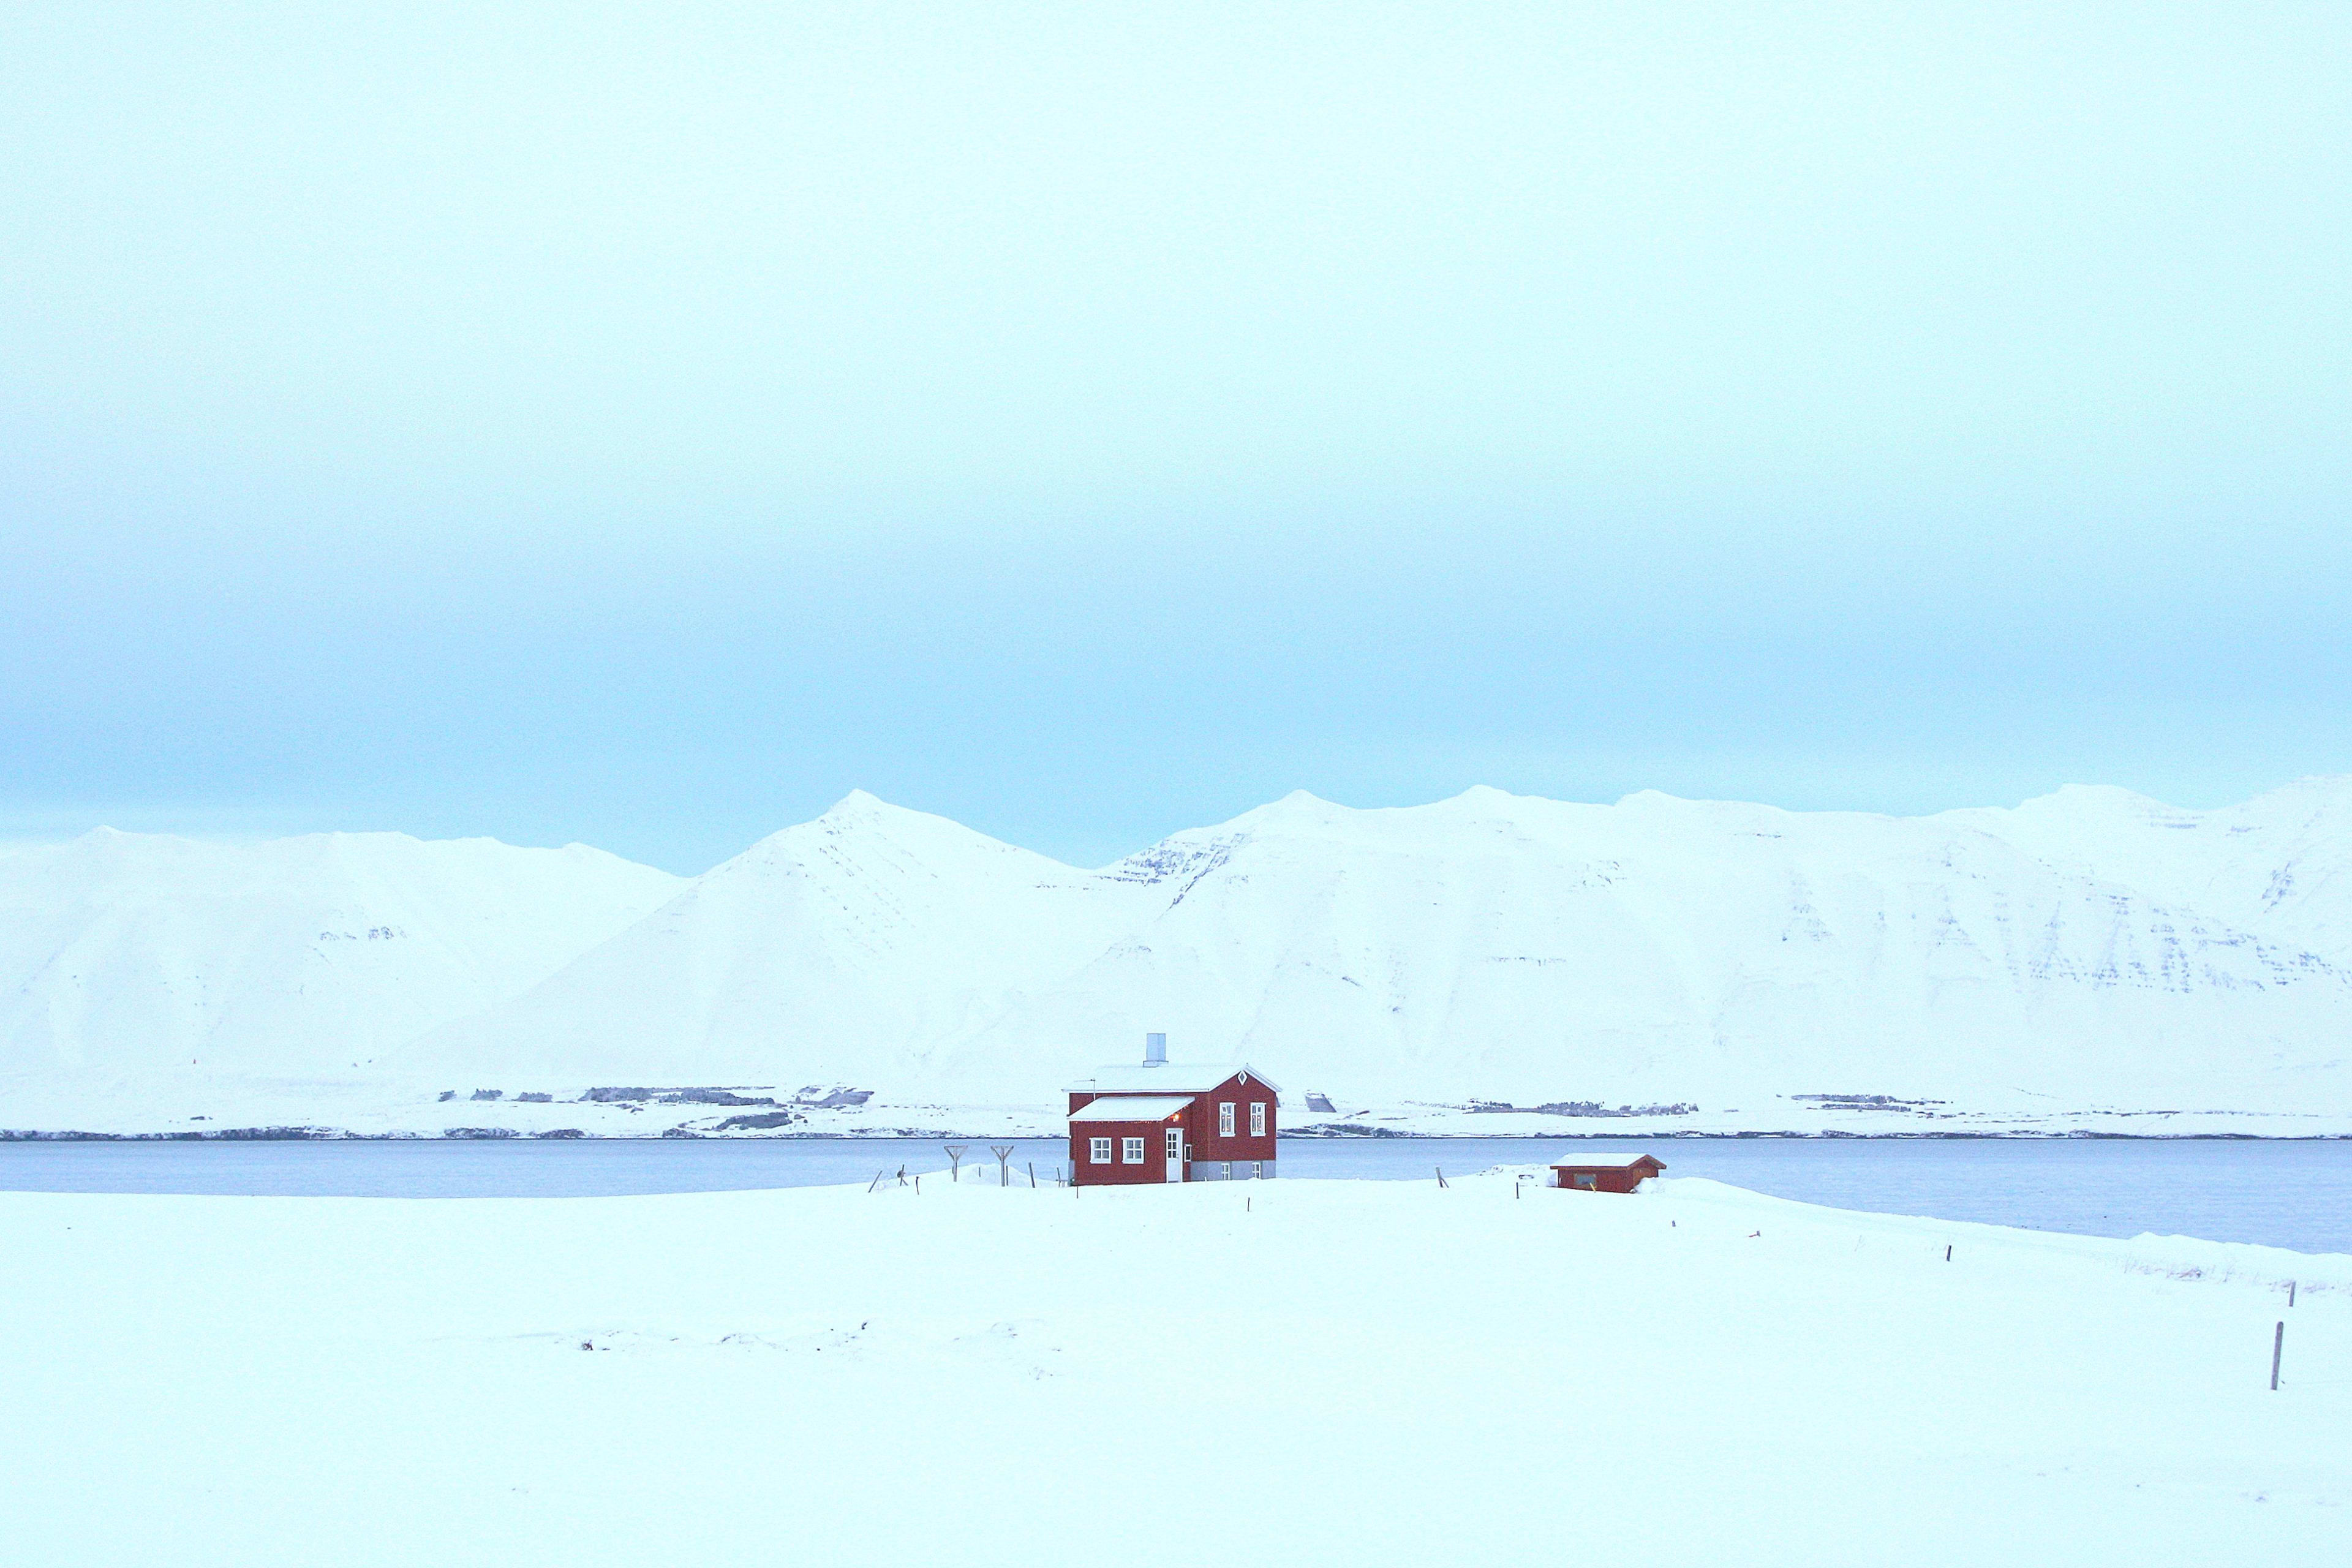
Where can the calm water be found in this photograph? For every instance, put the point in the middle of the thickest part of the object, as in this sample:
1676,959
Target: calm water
2294,1194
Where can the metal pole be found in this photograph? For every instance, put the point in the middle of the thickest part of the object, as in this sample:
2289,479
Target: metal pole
2278,1343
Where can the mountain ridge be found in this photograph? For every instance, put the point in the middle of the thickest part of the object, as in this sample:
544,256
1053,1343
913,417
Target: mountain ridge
1650,997
126,953
2089,946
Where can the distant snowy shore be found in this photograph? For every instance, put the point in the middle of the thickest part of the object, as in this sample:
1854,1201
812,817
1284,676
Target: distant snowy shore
462,1134
1352,1370
206,1109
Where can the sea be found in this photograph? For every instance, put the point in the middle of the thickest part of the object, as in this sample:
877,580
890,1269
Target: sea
2294,1193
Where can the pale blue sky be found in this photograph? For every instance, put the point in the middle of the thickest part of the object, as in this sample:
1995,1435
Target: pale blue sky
644,425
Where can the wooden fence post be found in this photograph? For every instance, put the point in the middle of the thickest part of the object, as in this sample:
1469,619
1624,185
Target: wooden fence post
2278,1343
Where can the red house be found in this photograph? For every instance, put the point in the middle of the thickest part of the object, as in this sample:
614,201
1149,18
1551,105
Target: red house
1165,1122
1606,1173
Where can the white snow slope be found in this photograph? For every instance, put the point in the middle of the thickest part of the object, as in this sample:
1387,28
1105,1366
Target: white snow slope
1503,947
127,958
1275,1373
2092,959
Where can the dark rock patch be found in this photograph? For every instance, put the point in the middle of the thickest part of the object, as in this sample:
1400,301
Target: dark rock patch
674,1097
1578,1108
763,1120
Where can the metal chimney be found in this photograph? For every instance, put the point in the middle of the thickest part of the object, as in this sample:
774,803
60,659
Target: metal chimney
1155,1050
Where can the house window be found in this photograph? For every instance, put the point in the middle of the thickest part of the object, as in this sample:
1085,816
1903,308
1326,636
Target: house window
1226,1119
1131,1153
1098,1151
1257,1118
1175,1142
1590,1184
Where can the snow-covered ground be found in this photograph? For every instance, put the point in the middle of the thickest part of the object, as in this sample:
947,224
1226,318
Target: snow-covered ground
1273,1372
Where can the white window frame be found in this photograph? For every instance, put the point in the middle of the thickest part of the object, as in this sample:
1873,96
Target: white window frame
1099,1151
1130,1151
1174,1140
1257,1118
1224,1118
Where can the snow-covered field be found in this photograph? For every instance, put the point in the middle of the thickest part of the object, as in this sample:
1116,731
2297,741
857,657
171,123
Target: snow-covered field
1275,1373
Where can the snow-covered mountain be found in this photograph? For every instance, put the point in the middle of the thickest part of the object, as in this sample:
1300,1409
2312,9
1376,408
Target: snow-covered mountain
2279,866
1499,947
875,945
2089,952
126,956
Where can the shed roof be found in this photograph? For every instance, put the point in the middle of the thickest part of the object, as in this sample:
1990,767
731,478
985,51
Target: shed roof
1170,1078
1132,1108
1614,1161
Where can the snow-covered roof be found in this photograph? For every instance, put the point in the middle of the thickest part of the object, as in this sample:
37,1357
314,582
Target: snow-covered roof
1172,1078
1609,1162
1131,1108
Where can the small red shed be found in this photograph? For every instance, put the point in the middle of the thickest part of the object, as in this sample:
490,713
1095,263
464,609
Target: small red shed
1165,1122
1606,1173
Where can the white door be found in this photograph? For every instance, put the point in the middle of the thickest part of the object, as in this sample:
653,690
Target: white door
1175,1153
